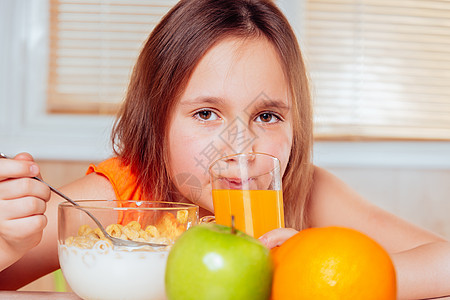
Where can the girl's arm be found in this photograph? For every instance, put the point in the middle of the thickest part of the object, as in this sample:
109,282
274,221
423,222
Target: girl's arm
421,258
43,258
424,271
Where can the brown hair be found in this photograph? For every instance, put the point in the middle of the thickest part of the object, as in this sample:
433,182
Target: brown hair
161,74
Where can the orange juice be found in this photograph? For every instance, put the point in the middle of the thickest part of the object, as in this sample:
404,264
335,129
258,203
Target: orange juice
255,211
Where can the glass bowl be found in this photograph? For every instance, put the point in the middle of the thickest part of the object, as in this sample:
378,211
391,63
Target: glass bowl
95,269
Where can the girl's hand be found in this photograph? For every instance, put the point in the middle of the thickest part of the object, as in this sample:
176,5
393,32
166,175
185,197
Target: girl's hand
23,201
277,237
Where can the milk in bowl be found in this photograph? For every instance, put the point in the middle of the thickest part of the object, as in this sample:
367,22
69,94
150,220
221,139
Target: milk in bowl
95,269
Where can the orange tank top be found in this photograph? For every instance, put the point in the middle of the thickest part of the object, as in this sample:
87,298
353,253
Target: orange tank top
124,184
121,178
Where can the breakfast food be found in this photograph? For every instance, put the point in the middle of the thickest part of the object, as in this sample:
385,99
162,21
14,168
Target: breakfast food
332,263
167,229
106,273
229,264
120,272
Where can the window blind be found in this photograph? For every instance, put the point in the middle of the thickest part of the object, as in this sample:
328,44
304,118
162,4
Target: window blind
380,69
93,47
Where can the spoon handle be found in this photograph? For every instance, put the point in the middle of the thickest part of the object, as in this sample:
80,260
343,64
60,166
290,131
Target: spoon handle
57,191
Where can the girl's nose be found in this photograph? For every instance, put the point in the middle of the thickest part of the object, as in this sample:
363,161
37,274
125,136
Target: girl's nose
249,158
238,138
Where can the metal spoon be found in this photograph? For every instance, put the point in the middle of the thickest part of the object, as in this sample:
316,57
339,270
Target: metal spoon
115,241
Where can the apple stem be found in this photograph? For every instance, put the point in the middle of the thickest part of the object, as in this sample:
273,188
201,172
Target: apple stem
233,229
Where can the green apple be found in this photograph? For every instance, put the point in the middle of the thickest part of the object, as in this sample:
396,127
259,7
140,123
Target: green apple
214,262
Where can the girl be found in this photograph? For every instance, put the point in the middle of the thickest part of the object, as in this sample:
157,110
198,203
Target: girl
215,77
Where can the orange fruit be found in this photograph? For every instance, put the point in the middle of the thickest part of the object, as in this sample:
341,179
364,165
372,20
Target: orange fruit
332,263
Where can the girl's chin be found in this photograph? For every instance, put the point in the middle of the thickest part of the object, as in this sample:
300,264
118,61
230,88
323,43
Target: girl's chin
205,205
198,196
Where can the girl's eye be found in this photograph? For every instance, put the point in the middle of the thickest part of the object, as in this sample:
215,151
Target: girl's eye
268,118
206,115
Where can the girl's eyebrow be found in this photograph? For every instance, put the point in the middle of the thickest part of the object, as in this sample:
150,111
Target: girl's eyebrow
271,104
279,105
202,100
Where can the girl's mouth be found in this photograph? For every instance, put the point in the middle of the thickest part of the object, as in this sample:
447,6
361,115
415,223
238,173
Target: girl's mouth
236,183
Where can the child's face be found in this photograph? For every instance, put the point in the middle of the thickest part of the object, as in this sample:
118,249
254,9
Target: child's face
237,100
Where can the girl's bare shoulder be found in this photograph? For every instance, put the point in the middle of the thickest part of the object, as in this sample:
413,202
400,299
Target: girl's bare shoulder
92,186
327,186
327,193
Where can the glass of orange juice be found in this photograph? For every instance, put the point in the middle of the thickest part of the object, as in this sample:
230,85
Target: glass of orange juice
248,186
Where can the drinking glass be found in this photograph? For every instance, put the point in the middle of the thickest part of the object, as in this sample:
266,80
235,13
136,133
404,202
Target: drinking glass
248,187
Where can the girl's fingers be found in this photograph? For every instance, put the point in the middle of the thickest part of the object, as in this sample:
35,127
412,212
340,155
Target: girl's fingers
24,156
22,203
28,157
11,168
21,208
18,230
277,237
23,187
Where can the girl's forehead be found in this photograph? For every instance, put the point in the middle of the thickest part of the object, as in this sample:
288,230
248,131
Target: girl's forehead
247,70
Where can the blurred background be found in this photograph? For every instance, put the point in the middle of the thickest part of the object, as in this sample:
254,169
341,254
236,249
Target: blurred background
380,77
